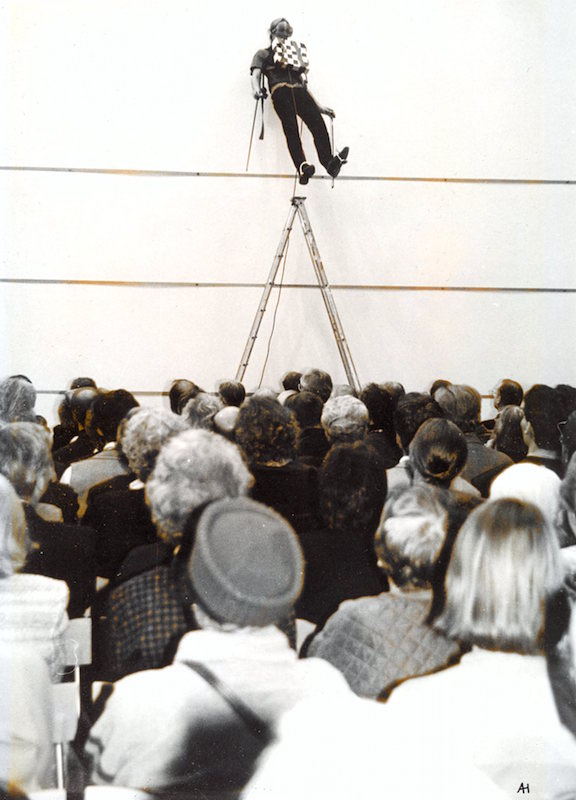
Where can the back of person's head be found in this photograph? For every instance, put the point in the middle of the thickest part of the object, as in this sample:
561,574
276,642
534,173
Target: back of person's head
412,411
508,393
143,432
567,397
460,404
266,431
439,383
438,452
193,468
180,392
504,566
352,487
224,422
79,383
543,410
340,389
65,417
107,412
508,435
25,459
81,401
291,380
530,483
380,408
246,566
396,391
17,399
568,498
411,534
231,393
317,381
306,407
199,412
14,540
344,419
266,392
568,439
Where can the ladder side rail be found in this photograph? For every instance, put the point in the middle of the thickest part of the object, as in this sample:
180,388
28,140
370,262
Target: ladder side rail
329,302
252,336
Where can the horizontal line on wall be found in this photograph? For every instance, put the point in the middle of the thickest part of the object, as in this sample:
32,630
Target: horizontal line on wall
166,173
143,393
151,393
336,286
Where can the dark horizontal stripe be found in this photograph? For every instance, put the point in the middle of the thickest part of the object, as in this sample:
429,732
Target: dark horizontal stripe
337,286
166,173
151,393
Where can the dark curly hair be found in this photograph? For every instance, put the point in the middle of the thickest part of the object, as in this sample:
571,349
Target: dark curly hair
352,487
266,431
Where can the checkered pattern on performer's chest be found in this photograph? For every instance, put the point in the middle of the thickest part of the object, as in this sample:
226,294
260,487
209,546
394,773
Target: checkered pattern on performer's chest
290,54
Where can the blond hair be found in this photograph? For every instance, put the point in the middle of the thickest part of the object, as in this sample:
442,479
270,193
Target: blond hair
14,541
505,563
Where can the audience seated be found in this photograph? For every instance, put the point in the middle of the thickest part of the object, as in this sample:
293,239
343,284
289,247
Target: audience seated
568,439
344,419
198,725
530,483
181,392
508,433
544,412
291,381
461,405
316,381
342,389
17,399
196,623
508,393
32,607
567,522
26,721
225,422
395,390
120,515
381,431
377,642
266,432
199,412
340,558
105,415
412,410
231,393
438,453
311,443
439,383
496,706
81,444
567,397
141,616
60,551
561,655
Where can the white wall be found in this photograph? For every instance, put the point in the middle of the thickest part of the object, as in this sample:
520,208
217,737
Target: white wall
448,89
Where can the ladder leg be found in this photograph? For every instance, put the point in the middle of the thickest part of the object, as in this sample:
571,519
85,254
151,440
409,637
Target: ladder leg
266,294
328,298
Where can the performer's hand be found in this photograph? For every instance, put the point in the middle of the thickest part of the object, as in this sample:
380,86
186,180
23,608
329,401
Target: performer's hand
261,95
327,111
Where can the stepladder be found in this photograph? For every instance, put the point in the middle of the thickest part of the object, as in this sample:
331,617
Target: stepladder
298,209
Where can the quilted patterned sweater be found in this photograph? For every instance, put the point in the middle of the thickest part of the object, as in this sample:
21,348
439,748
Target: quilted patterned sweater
377,642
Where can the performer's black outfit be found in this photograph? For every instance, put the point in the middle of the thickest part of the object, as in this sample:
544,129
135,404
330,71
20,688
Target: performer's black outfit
291,99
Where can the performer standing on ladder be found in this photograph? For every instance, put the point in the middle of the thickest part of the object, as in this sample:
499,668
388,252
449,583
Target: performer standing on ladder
285,64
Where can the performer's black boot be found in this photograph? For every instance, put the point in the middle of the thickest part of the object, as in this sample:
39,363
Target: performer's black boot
336,162
305,172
